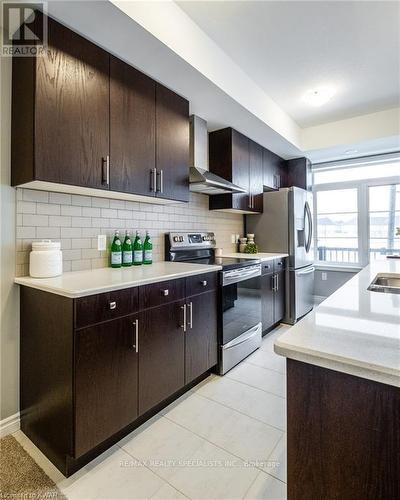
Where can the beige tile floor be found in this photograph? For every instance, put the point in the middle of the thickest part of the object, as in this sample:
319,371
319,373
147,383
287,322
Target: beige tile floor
223,439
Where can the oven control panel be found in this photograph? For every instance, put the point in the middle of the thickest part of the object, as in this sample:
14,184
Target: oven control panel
192,240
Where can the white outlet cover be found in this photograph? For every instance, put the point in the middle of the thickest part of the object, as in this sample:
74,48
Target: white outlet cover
324,276
101,242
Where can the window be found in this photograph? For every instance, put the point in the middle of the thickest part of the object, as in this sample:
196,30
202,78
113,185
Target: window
357,210
337,225
384,218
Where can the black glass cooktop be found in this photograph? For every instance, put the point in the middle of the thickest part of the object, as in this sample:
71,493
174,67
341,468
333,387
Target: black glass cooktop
227,263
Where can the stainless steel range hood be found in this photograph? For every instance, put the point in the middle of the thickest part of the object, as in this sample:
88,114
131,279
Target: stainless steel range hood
201,180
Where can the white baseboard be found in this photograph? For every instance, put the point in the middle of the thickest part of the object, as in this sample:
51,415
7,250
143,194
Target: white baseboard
9,425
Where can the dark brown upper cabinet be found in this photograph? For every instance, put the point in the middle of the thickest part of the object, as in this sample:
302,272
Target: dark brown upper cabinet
256,177
274,171
299,173
172,145
229,158
132,129
82,117
60,112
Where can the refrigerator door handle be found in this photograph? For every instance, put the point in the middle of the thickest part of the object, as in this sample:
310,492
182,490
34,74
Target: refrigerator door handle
308,216
309,271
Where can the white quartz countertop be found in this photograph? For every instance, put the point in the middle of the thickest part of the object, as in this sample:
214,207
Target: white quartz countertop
82,283
354,331
263,256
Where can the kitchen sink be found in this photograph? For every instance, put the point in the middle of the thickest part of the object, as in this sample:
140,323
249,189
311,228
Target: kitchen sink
386,283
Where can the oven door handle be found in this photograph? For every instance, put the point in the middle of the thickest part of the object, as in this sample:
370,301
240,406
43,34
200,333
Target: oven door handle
230,277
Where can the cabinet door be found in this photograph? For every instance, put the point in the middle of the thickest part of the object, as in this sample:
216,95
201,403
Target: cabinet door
267,301
279,302
132,129
201,351
72,111
161,354
256,177
272,170
106,381
172,145
240,170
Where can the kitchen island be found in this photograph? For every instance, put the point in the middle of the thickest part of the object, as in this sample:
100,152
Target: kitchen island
343,379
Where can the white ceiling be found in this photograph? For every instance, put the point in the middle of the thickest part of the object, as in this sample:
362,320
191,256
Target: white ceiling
289,47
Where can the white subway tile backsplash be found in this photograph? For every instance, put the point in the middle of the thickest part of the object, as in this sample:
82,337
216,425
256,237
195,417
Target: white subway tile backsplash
59,220
77,220
52,233
60,198
81,201
26,207
47,209
35,220
71,232
26,232
81,222
32,195
71,210
91,212
81,243
100,202
109,212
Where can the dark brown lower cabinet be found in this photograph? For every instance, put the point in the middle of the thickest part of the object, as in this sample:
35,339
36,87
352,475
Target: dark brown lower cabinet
94,368
279,302
343,436
272,299
161,354
201,335
106,381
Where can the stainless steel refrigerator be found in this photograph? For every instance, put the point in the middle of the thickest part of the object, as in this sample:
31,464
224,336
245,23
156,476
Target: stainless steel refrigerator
286,226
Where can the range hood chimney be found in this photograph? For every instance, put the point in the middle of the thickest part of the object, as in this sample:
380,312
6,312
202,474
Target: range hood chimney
201,180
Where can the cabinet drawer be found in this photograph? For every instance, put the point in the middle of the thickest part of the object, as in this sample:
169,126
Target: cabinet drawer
158,294
279,264
201,283
105,306
267,267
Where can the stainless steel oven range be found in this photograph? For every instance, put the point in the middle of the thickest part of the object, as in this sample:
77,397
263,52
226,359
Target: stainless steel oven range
239,294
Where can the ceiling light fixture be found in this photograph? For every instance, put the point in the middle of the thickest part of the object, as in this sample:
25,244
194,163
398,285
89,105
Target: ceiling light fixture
351,151
318,97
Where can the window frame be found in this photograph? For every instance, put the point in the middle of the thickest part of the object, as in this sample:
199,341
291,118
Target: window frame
363,231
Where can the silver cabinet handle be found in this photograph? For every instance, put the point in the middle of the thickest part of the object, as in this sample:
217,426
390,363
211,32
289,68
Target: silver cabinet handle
113,305
190,322
135,345
165,292
273,282
153,179
183,326
105,174
160,175
277,282
204,283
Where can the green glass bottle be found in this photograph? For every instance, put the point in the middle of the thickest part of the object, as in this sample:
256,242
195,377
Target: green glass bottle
116,251
147,250
127,255
137,251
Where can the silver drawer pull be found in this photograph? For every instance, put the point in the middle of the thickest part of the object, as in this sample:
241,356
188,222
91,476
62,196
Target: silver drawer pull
204,283
165,292
113,305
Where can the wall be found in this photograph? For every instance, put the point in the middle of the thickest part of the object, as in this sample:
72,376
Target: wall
76,221
9,293
335,279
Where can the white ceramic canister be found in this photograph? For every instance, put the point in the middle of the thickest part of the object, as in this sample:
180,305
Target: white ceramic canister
45,260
